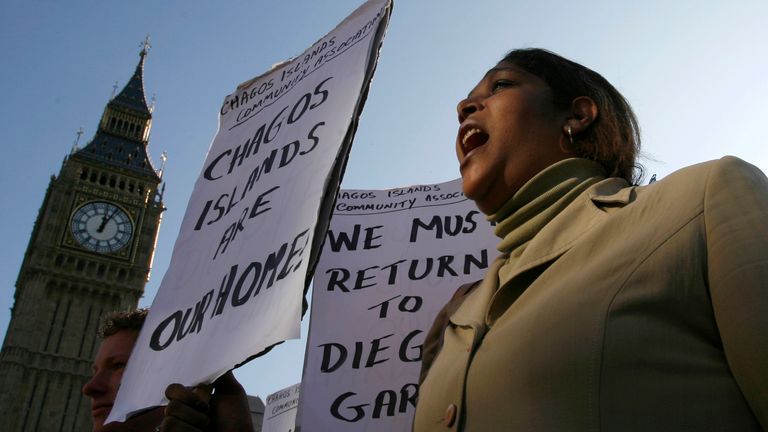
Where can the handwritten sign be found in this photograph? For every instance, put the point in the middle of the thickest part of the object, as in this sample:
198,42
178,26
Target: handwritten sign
391,260
280,412
250,236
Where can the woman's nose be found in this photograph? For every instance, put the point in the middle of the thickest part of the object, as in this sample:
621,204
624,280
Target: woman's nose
467,107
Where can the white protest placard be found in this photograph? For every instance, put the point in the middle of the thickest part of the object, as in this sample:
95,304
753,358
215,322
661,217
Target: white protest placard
280,411
391,260
251,231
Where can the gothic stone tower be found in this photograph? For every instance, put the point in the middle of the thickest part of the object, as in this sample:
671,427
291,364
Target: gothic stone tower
90,253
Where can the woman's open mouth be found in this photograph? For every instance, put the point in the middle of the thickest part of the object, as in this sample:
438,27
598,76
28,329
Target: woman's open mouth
472,138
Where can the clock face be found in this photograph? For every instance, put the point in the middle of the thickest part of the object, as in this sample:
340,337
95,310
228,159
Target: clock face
101,227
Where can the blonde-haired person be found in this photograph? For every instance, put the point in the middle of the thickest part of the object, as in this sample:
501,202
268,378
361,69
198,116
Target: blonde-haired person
189,409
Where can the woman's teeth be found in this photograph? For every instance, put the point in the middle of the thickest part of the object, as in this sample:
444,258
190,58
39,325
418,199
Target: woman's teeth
469,134
473,139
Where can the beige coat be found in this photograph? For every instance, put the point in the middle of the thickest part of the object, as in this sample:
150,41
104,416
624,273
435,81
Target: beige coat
635,309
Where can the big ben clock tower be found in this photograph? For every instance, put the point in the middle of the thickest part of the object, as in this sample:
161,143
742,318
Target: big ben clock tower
90,253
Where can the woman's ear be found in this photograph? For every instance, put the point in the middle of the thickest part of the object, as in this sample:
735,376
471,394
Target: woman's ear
583,113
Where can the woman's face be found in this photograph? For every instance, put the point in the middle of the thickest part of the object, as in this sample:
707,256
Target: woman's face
510,131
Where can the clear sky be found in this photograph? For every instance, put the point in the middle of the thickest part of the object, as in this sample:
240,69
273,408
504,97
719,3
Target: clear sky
695,72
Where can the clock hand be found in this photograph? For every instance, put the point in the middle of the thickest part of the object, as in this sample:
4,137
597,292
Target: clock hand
102,224
104,220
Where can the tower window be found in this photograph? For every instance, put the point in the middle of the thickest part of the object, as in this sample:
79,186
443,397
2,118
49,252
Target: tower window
59,260
112,179
84,174
93,177
100,270
103,179
121,185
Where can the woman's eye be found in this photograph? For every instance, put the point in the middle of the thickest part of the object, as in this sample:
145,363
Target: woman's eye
501,84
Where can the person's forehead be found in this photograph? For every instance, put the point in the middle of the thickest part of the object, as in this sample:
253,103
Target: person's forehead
118,344
502,66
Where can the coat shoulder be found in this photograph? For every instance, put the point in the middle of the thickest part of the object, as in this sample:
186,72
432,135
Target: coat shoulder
725,167
693,181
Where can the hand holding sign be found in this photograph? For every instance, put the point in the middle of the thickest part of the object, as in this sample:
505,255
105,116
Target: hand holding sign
196,409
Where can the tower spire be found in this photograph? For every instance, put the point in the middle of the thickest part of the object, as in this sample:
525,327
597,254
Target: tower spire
123,132
145,46
163,158
132,95
79,133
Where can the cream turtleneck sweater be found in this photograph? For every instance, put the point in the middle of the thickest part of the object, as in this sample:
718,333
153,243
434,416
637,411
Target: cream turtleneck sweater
540,200
533,206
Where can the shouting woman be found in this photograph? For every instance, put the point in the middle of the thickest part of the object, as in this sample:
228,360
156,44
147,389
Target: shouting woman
612,307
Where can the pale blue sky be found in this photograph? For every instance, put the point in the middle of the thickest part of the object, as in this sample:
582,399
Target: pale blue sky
693,70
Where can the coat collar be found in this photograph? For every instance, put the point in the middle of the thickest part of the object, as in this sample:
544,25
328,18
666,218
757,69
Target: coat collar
586,212
489,300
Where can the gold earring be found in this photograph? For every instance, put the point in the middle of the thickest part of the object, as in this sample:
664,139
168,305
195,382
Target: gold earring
570,134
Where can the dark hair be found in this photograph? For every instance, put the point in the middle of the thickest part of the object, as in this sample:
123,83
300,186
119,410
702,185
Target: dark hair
123,320
613,139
